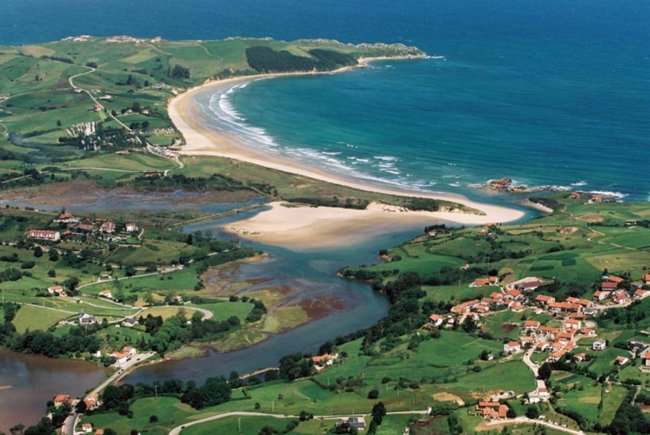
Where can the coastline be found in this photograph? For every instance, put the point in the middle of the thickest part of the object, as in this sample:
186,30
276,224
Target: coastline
271,226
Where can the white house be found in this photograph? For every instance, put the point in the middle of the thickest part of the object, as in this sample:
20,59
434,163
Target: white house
511,347
599,345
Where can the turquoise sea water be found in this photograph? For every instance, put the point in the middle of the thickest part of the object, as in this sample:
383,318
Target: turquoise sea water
550,92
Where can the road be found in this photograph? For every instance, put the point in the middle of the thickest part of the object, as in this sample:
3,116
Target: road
92,97
526,420
531,365
71,421
178,429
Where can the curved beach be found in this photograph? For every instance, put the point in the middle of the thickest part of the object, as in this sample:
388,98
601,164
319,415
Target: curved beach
309,226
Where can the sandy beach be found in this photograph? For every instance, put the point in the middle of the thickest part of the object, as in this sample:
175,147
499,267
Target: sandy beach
307,226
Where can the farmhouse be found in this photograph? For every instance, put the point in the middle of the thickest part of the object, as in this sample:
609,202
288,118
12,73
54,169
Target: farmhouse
621,360
482,282
47,235
527,284
66,218
492,410
56,290
511,347
87,319
599,345
107,227
324,360
130,227
545,300
106,294
62,399
436,319
464,307
531,325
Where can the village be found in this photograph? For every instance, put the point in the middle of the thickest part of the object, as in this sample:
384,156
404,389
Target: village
571,321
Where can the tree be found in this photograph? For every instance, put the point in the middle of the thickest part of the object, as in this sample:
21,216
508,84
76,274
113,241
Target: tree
378,412
545,371
17,429
179,72
373,394
53,254
532,412
38,252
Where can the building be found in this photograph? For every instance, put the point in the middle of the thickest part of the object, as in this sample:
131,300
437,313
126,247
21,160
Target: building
581,357
87,319
91,401
620,297
62,399
482,282
640,294
323,360
106,294
56,290
464,307
544,299
107,227
436,319
599,345
356,423
527,284
66,218
511,347
46,235
130,322
86,428
540,394
621,360
531,325
601,295
130,227
573,324
492,410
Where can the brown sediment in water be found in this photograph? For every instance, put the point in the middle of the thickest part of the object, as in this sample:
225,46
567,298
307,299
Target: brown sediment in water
321,307
84,193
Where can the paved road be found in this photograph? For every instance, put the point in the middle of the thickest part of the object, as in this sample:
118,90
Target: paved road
526,420
71,422
178,429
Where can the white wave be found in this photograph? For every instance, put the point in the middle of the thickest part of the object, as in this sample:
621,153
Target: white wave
455,184
436,57
617,195
579,183
386,158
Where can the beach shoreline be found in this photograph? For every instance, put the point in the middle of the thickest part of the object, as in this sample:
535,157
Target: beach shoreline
268,227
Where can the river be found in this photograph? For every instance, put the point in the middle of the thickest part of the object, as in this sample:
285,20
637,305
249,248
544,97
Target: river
27,382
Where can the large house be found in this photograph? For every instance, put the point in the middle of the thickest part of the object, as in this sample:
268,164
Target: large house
544,299
511,347
599,345
108,227
492,410
482,282
56,290
66,218
87,319
436,319
47,235
62,399
464,307
130,227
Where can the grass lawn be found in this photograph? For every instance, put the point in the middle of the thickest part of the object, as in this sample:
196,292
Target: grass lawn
33,318
237,425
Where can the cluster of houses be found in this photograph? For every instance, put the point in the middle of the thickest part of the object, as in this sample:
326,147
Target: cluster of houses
559,337
611,289
76,227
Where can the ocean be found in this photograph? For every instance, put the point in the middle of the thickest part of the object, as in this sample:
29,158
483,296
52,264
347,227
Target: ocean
554,92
